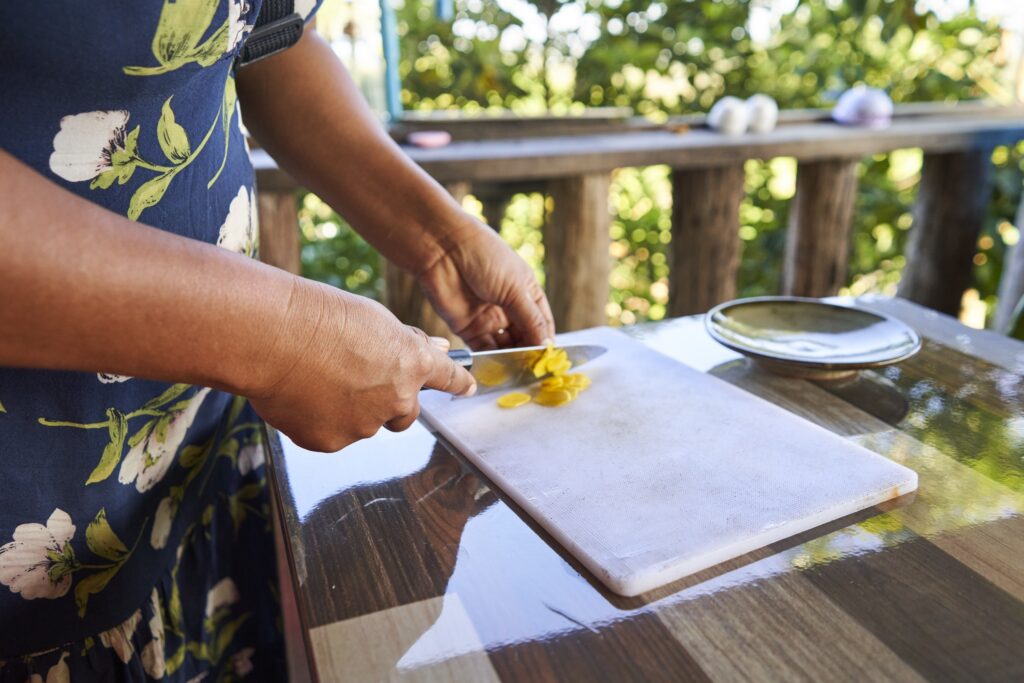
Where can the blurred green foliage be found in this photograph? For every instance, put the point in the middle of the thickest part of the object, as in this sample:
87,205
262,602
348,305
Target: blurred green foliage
333,252
665,58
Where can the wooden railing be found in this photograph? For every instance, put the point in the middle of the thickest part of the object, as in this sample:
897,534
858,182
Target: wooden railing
708,187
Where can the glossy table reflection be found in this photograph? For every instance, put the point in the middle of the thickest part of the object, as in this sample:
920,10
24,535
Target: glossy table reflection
406,564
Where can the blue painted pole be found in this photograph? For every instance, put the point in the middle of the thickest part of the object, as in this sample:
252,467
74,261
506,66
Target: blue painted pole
444,10
389,37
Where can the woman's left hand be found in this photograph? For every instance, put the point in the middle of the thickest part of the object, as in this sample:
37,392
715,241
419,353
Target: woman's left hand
486,293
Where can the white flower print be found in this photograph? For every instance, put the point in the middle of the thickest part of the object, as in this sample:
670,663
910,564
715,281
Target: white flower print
119,638
223,594
199,678
238,233
250,458
153,654
304,7
148,461
165,514
156,624
237,28
85,142
107,378
39,561
241,662
153,662
58,673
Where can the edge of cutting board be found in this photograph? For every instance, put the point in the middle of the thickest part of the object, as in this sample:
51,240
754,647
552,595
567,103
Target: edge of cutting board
634,584
631,583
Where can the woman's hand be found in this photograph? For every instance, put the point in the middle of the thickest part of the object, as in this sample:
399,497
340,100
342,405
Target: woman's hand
486,293
344,366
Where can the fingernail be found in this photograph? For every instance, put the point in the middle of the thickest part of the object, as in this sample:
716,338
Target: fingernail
441,343
472,391
548,341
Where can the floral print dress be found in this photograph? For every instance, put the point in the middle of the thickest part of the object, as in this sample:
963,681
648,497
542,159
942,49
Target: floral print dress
135,534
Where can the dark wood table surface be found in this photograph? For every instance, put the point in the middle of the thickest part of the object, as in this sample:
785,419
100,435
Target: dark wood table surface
407,564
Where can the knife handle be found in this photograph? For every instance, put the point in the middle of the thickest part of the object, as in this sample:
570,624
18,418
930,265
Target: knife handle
462,356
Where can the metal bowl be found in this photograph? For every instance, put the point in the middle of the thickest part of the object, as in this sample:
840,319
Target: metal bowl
810,338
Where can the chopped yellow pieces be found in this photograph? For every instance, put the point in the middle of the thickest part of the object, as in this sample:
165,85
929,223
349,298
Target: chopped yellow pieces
552,361
554,397
491,374
577,381
514,400
557,386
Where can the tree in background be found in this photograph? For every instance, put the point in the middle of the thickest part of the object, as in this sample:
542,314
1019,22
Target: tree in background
666,58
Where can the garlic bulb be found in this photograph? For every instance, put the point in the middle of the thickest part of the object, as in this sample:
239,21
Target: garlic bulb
729,116
764,113
863,106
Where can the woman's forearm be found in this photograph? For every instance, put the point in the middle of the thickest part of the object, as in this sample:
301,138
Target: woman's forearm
83,288
305,110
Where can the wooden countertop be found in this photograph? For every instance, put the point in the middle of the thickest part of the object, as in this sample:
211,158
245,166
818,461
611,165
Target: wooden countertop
407,563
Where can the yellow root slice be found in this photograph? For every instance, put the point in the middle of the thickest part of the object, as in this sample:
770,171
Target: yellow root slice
576,380
492,374
540,368
552,361
514,400
556,388
554,397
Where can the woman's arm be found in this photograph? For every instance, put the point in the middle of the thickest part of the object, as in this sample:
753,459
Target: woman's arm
305,110
82,288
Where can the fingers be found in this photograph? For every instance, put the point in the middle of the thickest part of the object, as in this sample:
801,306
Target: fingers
403,422
484,342
480,333
447,375
530,316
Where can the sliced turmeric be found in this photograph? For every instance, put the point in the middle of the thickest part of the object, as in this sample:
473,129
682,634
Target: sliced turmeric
557,387
514,400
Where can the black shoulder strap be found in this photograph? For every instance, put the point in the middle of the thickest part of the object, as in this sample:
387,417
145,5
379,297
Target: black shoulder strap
277,28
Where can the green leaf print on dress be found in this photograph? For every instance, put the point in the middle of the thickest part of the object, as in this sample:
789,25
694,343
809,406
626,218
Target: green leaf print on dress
117,426
172,137
178,39
94,146
39,562
152,448
102,540
104,543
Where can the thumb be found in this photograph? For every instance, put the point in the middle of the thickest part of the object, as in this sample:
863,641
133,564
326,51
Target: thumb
448,376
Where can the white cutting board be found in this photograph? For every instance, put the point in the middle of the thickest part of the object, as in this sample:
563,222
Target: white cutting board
658,471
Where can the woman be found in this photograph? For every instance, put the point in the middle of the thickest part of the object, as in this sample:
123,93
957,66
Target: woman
142,344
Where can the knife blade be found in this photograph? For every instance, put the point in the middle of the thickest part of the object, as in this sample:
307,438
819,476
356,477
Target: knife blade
507,368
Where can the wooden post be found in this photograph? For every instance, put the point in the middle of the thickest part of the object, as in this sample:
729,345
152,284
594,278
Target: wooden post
948,216
704,254
1011,286
820,217
403,296
576,260
279,229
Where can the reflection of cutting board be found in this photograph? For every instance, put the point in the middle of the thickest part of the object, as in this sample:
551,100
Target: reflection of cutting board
658,471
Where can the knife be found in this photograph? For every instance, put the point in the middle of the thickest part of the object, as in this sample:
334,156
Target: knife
506,368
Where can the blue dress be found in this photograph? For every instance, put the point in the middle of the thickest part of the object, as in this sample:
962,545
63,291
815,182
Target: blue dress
134,520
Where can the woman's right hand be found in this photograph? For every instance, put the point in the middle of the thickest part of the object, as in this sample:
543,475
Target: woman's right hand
342,366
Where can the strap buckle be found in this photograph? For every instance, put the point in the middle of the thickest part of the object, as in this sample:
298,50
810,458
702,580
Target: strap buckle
270,38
